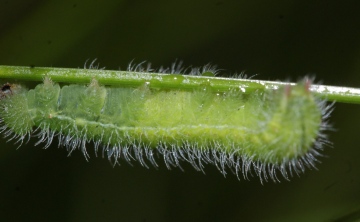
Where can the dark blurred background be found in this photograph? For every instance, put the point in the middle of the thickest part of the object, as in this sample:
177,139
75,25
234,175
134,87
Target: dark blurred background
278,40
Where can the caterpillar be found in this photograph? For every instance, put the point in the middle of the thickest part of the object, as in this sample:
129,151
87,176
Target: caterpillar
267,134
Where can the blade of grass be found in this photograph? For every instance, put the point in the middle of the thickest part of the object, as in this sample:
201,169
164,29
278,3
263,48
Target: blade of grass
168,81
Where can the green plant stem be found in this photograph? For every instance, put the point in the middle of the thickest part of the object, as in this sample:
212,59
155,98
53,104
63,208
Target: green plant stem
168,81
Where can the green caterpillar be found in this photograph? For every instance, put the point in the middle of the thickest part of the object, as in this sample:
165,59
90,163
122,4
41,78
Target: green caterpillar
277,132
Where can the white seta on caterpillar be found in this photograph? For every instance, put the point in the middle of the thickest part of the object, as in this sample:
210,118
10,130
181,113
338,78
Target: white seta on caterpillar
279,132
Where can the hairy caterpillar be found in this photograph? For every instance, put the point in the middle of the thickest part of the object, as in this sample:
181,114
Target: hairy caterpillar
277,132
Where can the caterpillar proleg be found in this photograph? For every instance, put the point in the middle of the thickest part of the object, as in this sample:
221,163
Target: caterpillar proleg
272,133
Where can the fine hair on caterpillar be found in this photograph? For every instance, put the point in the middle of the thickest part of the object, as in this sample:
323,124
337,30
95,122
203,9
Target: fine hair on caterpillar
264,134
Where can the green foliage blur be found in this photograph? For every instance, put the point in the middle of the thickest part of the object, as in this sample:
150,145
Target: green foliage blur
277,40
